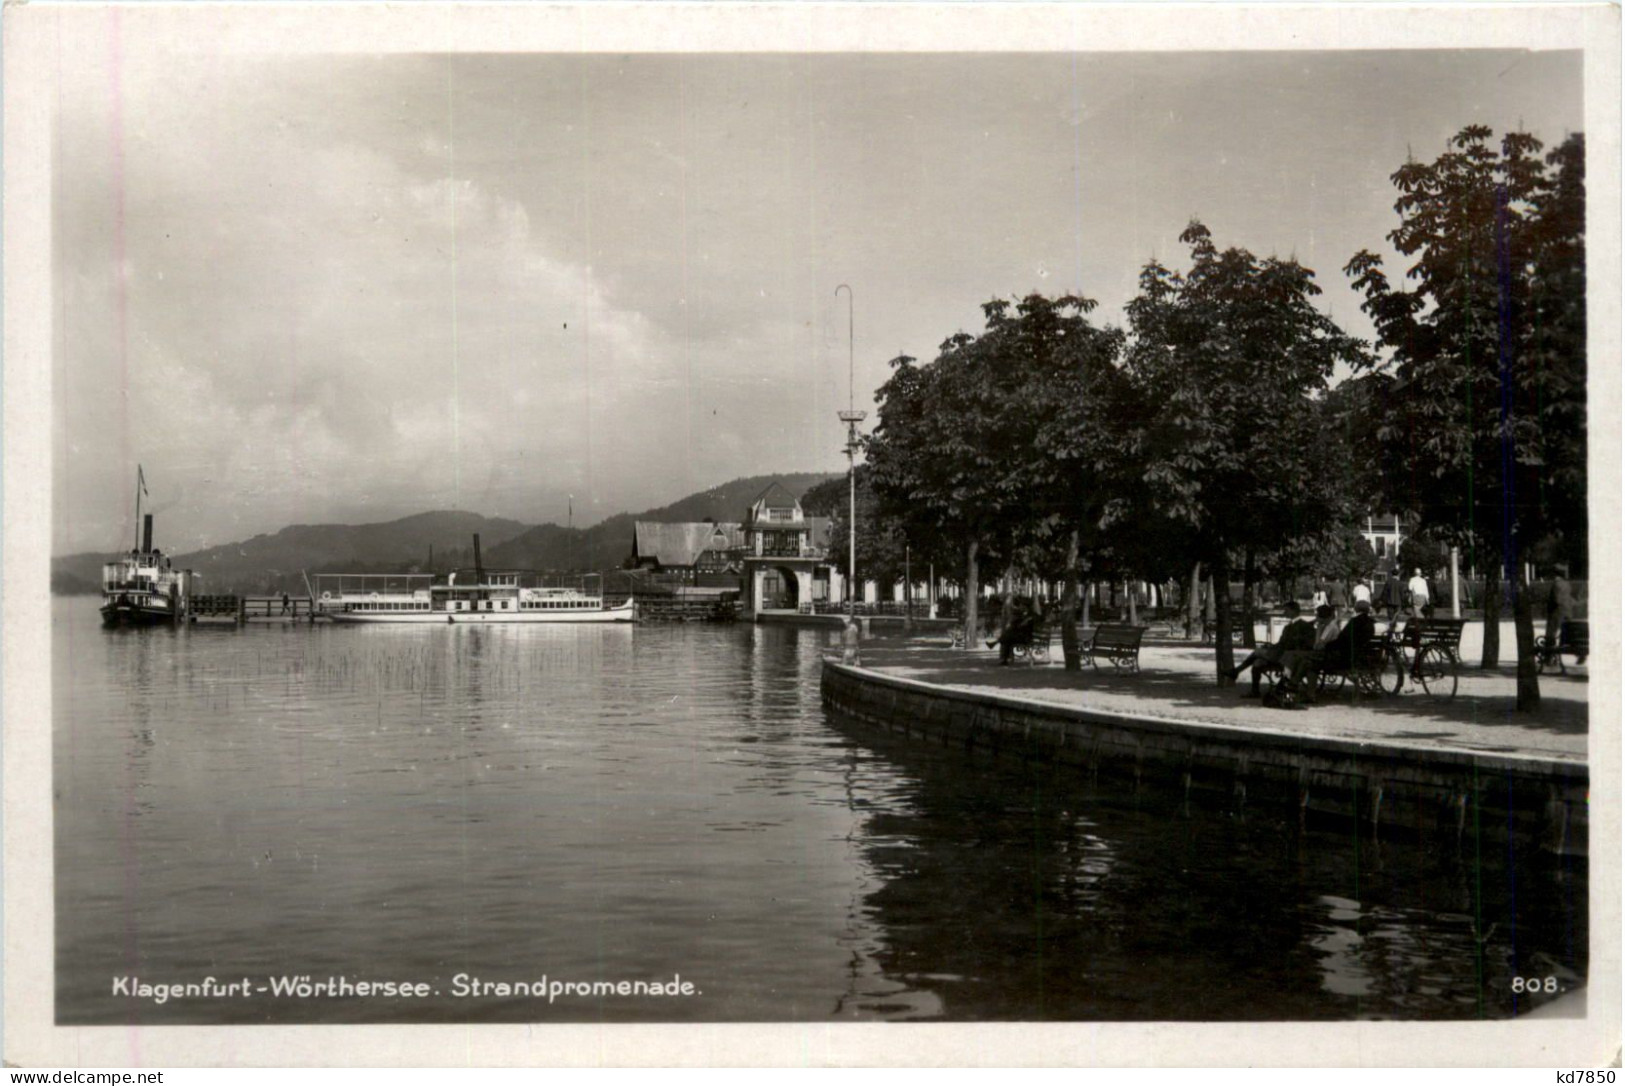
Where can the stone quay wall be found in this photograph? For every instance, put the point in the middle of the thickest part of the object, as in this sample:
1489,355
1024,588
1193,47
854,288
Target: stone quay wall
1396,790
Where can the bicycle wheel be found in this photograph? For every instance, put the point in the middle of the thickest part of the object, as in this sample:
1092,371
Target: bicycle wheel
1391,672
1437,672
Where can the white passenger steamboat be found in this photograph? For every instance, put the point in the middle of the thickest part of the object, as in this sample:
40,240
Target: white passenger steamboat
485,597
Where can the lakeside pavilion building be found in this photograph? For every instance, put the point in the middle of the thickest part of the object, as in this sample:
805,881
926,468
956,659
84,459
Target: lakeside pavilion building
786,561
778,557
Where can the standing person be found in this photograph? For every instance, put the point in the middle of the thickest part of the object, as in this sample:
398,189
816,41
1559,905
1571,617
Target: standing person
1421,595
1559,609
849,641
1337,596
1393,596
1362,592
284,603
1320,599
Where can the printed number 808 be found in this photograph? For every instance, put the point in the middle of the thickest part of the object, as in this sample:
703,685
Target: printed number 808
1534,984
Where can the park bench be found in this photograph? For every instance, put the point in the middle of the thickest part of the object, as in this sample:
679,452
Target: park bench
1373,670
1038,644
1118,644
1431,653
1574,639
1210,629
1443,632
1030,641
1168,621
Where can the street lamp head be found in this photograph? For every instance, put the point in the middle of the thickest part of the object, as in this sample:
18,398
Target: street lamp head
853,416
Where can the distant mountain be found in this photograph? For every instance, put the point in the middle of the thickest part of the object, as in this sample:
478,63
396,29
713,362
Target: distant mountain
729,501
272,563
609,542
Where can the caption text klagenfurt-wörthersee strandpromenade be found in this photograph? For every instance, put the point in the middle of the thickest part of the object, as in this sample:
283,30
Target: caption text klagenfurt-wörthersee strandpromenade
461,986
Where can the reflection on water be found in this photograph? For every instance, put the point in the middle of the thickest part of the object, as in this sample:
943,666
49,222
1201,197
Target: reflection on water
1028,893
608,803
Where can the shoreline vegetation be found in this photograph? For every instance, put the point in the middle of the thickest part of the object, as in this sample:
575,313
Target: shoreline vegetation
1207,442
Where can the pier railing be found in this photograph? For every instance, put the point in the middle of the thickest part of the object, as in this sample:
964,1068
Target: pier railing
252,608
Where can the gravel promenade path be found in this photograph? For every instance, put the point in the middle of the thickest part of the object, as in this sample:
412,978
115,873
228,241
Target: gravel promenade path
1176,682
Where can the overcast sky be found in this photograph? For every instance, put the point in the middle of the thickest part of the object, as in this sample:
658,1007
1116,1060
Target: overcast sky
342,289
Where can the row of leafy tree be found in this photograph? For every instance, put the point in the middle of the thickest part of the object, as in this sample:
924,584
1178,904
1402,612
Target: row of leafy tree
1209,434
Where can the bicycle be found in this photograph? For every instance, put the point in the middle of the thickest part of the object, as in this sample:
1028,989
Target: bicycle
1430,651
1378,670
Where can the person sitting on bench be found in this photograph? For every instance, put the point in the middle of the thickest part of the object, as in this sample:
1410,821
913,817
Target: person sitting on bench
1327,626
1298,636
1019,632
1339,654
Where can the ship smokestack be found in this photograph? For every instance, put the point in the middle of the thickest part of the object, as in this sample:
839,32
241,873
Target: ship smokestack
146,533
479,568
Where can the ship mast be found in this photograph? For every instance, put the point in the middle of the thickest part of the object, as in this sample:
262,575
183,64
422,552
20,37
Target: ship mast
140,488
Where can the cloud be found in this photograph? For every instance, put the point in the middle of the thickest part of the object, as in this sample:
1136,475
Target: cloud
312,325
326,287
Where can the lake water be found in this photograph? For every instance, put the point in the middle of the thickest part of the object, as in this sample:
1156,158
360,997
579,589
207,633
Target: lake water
609,804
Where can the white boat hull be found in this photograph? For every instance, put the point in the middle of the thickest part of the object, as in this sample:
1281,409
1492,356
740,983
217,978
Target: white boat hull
626,612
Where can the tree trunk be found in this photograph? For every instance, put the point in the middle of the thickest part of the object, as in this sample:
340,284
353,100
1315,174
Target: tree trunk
908,602
1492,619
1523,619
1249,638
1132,590
1007,605
1069,608
972,591
1193,604
1224,658
1088,597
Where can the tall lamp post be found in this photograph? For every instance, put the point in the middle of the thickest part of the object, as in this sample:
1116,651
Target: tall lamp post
908,592
851,417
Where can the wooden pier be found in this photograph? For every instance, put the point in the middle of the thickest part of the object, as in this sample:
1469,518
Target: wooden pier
240,610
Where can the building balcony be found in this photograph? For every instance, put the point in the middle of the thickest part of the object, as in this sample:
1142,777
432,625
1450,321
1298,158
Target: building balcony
810,554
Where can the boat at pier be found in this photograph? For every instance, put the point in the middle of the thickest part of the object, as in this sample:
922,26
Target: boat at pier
497,598
142,587
485,597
